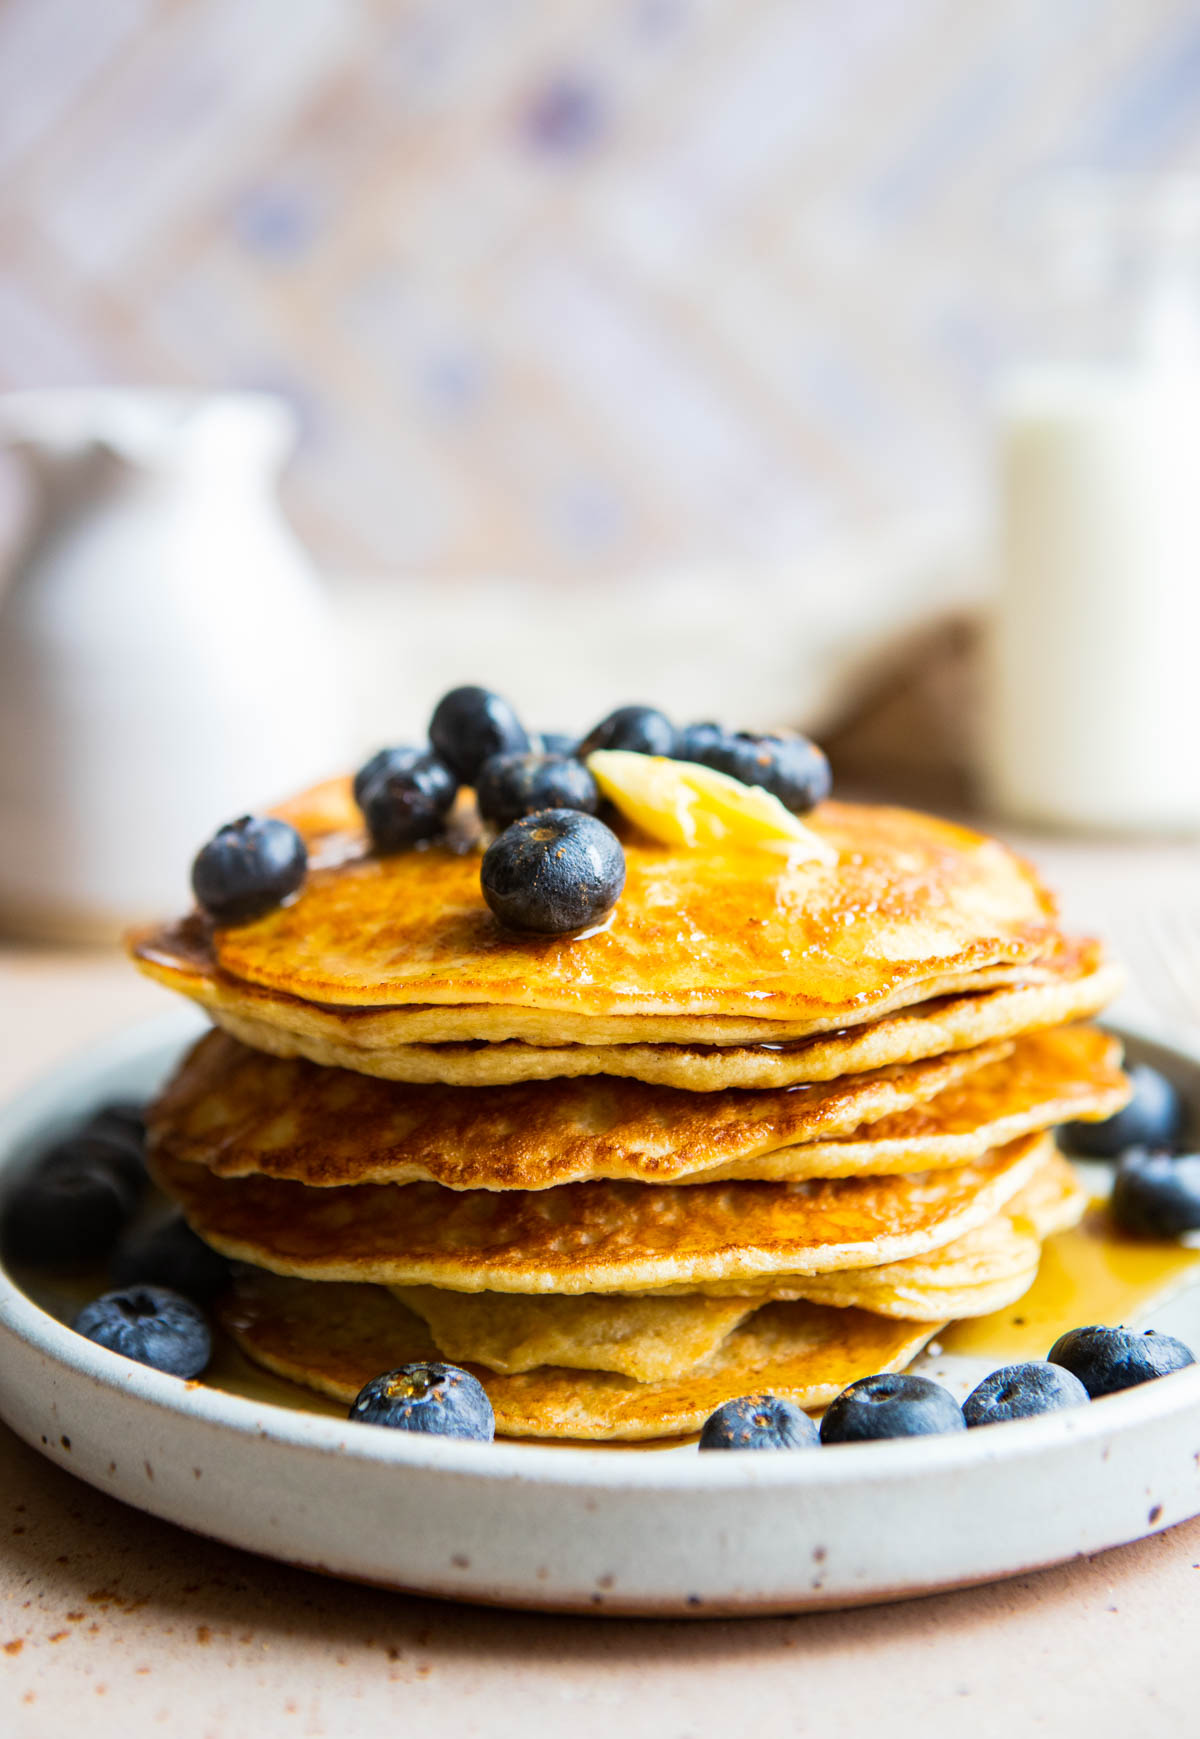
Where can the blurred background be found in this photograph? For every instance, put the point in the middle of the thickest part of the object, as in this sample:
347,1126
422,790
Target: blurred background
636,350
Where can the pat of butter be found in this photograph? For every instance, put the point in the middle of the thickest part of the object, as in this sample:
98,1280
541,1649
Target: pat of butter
680,803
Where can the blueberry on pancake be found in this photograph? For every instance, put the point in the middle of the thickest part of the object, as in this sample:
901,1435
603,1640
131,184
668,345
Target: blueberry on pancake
470,725
511,786
248,867
553,872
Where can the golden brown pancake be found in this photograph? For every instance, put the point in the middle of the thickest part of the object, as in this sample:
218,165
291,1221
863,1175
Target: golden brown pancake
592,1237
242,1114
651,1338
475,1047
914,907
335,1338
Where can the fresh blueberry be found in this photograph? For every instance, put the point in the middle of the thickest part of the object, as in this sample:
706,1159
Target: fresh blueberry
123,1118
553,872
693,742
440,1399
70,1209
397,760
1020,1391
470,725
107,1147
557,743
150,1325
1157,1194
759,1422
790,768
1154,1117
642,730
893,1404
170,1254
510,786
1108,1359
406,803
248,867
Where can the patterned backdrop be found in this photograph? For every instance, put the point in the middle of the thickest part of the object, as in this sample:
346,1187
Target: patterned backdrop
570,288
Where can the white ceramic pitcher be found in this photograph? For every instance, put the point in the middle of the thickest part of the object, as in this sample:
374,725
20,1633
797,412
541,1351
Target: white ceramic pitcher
167,659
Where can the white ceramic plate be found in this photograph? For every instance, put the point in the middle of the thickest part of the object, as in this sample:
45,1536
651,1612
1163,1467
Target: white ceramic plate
602,1529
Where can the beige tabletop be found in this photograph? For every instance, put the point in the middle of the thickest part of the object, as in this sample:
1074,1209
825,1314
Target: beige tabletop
114,1623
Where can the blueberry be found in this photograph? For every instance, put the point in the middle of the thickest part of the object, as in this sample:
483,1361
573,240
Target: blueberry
510,786
440,1399
893,1404
470,725
70,1209
1156,1193
170,1254
553,872
150,1325
108,1147
759,1422
557,743
1108,1359
1154,1117
642,730
123,1118
1020,1391
406,803
248,867
694,741
397,760
790,768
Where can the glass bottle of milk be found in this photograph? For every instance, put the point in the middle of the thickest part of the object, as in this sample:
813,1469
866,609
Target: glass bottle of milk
1092,710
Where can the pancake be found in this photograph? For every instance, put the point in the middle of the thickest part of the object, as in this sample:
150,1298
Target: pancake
913,907
652,1338
241,1114
592,1237
335,1338
480,1050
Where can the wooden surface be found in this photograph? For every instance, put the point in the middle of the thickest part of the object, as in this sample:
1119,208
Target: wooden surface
114,1623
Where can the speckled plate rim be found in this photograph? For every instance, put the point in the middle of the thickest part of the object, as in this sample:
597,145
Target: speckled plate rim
665,1532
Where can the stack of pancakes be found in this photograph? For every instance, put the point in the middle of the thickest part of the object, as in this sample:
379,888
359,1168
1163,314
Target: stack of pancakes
767,1129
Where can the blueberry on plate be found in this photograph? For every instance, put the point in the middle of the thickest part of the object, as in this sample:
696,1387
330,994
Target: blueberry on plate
892,1404
108,1148
69,1210
510,786
395,760
248,867
1108,1359
1154,1117
470,725
170,1254
1155,1193
123,1118
557,743
408,801
150,1325
790,767
440,1399
553,872
759,1422
642,730
1020,1391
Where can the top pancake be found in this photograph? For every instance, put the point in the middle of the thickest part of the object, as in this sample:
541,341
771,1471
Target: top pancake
914,907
